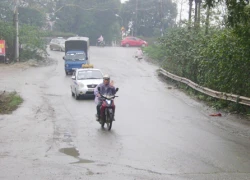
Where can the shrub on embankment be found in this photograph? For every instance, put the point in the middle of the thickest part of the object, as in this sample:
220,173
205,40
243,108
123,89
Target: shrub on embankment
219,60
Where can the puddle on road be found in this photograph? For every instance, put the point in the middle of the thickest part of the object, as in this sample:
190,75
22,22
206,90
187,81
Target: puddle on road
55,95
82,161
73,152
70,152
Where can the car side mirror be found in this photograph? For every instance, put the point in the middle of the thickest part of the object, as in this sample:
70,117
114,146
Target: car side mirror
117,89
99,89
63,57
73,77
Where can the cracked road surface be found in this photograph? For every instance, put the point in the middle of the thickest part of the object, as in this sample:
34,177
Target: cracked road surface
159,132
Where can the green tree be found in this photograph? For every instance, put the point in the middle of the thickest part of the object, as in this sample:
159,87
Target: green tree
31,20
237,11
31,17
88,18
149,16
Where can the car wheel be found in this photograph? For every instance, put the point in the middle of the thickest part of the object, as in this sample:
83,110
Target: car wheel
127,45
66,73
76,96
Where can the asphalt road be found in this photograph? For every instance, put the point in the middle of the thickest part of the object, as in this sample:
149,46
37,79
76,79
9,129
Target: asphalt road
159,132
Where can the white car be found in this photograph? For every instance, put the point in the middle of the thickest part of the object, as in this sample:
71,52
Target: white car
57,44
84,82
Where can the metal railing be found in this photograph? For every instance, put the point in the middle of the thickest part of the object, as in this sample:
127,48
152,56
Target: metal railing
207,91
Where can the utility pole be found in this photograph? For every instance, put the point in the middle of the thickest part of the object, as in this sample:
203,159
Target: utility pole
136,13
199,13
16,31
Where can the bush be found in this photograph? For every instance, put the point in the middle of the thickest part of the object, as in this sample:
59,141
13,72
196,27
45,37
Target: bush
29,37
219,61
225,63
9,102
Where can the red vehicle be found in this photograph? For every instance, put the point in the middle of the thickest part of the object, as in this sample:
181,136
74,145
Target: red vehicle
133,41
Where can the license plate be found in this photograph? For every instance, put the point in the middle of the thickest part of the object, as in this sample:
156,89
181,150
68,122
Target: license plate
91,90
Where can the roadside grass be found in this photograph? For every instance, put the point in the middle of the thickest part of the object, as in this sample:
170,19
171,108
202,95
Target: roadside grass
9,102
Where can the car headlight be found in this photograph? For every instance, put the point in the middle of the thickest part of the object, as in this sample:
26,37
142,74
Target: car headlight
81,85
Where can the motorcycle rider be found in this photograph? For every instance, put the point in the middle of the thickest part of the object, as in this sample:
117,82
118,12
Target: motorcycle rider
106,88
100,40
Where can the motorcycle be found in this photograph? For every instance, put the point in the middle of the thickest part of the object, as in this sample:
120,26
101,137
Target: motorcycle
101,44
107,110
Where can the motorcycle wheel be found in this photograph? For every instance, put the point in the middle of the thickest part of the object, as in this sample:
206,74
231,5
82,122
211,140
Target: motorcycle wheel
103,120
109,121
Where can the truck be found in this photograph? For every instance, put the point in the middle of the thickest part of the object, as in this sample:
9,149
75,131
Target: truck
76,53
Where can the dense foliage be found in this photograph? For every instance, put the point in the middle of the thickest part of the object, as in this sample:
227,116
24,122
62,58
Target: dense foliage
88,18
214,56
84,18
30,22
219,60
149,16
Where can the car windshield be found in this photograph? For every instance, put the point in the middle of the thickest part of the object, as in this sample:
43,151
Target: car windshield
61,41
89,74
75,56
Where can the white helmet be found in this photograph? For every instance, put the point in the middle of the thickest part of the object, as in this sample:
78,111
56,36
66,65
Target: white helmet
106,76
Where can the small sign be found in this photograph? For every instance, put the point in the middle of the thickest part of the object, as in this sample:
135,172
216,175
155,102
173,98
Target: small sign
87,66
2,47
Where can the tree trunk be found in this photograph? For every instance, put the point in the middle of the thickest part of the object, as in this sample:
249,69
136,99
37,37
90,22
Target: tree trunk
195,12
136,17
180,13
207,19
199,14
190,13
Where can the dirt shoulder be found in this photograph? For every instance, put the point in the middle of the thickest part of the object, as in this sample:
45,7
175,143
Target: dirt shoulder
12,78
27,64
